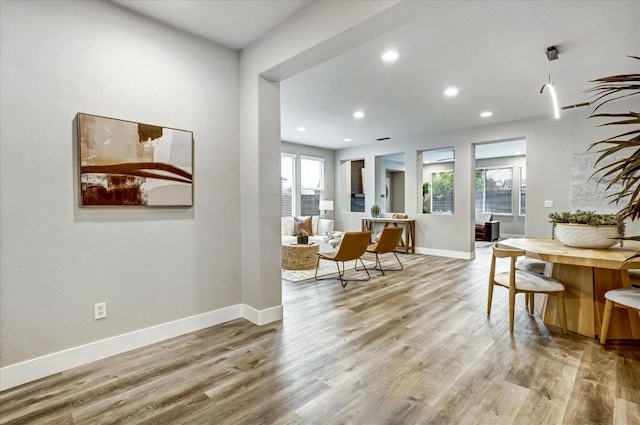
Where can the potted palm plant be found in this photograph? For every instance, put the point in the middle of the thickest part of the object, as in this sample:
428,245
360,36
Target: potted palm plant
621,172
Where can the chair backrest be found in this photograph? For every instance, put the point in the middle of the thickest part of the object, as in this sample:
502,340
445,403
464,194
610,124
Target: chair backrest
389,239
353,245
500,251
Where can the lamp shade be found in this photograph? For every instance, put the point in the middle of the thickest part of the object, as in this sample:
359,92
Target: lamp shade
326,205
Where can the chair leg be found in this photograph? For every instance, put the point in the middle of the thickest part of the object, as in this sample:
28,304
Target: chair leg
365,268
606,319
317,265
512,308
532,298
341,273
563,312
399,262
489,298
378,265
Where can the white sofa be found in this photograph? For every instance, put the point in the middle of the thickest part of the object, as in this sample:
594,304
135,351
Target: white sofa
320,226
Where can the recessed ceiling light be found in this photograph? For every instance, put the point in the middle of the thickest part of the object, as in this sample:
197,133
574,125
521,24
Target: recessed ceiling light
302,129
390,56
486,114
358,114
451,91
347,139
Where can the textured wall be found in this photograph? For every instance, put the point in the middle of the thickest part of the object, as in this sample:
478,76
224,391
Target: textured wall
150,265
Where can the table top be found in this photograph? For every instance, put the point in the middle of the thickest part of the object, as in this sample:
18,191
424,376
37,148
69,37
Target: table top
553,251
300,245
390,220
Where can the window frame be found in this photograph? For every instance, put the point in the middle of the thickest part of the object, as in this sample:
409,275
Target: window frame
293,158
484,188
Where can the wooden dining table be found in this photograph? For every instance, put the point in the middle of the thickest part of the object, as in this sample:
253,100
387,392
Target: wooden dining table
587,275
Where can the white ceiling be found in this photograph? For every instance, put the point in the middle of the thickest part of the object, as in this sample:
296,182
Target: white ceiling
493,51
231,23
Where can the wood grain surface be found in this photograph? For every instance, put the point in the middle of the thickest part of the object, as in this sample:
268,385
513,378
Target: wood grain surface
411,347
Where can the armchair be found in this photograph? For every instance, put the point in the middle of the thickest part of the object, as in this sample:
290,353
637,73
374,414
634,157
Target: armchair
487,229
352,247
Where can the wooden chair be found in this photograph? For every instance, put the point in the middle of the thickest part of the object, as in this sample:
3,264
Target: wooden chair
518,281
389,240
353,245
624,298
533,266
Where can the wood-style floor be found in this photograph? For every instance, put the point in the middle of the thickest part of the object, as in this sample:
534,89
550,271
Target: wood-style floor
412,347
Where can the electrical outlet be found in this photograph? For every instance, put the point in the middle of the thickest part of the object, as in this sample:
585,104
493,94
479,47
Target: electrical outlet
548,204
100,311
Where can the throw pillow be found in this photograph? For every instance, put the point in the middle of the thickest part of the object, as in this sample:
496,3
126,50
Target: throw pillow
301,223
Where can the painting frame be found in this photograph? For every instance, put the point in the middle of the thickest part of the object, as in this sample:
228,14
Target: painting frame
123,163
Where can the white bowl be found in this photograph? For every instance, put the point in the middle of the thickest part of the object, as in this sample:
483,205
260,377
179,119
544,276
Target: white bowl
584,236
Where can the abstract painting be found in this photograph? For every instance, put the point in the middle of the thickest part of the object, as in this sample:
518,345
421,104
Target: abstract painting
588,189
129,163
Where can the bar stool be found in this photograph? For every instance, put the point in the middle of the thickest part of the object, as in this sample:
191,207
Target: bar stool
623,298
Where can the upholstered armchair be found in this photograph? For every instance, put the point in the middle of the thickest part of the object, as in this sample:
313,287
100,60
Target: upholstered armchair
487,229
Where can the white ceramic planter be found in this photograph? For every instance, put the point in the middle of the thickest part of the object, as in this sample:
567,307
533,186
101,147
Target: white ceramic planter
583,236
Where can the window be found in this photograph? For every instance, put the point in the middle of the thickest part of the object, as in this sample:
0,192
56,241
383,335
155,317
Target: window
494,190
437,180
311,185
287,173
523,190
442,192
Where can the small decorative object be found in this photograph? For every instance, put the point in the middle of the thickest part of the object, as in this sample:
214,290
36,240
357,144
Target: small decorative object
400,216
375,211
586,229
303,237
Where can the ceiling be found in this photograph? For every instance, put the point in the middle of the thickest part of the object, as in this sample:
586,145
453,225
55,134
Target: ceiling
492,51
231,23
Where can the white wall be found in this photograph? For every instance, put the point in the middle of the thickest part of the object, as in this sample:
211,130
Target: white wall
151,266
551,145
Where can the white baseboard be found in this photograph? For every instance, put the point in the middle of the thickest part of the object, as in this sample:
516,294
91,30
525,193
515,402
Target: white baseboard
40,367
262,317
446,253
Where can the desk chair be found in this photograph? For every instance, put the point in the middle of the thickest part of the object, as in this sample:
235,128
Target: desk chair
352,247
518,281
623,298
389,240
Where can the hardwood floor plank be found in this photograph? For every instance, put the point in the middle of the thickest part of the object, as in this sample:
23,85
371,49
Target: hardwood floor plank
411,347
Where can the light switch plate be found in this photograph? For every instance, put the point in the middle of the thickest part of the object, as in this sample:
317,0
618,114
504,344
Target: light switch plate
548,204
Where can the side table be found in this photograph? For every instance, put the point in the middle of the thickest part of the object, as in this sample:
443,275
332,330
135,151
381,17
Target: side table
299,256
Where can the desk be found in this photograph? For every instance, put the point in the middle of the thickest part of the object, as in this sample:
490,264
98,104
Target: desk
587,274
409,243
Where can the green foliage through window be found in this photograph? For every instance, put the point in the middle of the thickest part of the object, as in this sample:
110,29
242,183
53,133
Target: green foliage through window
442,200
